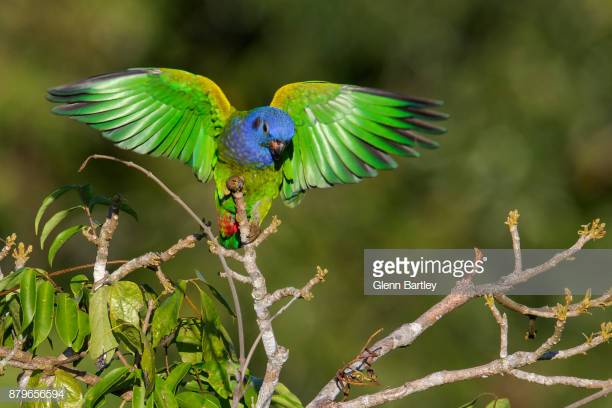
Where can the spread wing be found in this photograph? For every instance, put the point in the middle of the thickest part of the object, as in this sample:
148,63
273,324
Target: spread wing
345,133
155,111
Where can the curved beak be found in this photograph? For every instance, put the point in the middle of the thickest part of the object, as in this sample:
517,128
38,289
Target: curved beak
276,148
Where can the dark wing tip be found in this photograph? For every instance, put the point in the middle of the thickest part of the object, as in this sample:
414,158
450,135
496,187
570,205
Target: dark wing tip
80,86
427,113
68,108
425,126
420,102
419,140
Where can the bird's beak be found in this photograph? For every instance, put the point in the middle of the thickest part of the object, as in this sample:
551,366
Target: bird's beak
276,148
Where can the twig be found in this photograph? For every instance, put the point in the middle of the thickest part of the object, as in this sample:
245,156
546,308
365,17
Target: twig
145,322
163,280
123,360
85,266
590,398
304,292
237,276
574,310
106,234
151,259
502,321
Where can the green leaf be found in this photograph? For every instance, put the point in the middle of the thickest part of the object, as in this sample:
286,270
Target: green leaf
66,320
125,303
14,310
105,385
486,395
73,395
43,317
11,280
213,347
218,295
54,222
61,239
35,382
165,318
27,296
83,330
191,399
102,339
48,200
250,396
77,283
217,377
164,398
283,398
147,363
189,340
176,375
499,403
138,396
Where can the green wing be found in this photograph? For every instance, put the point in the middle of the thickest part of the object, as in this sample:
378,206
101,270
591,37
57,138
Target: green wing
345,133
161,112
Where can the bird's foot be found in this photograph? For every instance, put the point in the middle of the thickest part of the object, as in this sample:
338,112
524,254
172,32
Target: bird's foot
235,184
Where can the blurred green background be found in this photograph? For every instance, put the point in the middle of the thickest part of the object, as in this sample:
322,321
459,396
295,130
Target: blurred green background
529,89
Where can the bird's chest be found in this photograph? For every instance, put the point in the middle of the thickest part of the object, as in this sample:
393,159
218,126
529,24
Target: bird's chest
259,183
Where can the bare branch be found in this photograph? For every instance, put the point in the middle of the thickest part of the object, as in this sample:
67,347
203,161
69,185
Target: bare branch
560,380
574,310
15,357
106,234
304,292
590,398
512,223
463,292
238,276
147,319
152,259
502,321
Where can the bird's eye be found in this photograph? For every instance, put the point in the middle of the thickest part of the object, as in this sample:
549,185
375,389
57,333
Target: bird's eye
265,127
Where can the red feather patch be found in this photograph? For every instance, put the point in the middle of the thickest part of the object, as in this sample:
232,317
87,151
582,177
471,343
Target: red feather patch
227,225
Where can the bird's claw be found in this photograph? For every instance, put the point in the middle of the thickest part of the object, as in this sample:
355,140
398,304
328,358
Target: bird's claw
235,184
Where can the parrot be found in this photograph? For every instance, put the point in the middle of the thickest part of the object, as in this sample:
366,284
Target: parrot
314,134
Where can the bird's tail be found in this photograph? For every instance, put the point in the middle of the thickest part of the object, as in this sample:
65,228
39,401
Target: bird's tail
229,233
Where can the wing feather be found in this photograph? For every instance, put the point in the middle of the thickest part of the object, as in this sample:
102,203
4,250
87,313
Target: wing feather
345,133
157,111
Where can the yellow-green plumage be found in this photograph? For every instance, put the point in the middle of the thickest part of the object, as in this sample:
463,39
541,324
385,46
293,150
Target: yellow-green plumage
314,134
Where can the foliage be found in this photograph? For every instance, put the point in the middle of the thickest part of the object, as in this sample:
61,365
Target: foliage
123,321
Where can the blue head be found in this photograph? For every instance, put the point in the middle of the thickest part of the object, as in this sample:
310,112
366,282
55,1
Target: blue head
261,136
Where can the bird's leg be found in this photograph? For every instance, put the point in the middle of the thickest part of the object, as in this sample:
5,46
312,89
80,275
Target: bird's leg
235,185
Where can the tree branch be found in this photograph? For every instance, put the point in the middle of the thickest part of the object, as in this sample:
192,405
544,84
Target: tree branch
463,292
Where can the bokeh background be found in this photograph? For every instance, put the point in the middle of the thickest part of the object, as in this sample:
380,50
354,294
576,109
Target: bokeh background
529,89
